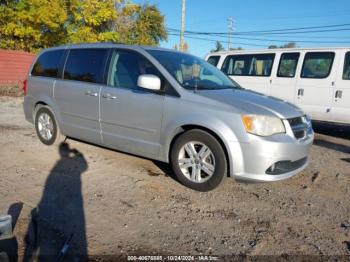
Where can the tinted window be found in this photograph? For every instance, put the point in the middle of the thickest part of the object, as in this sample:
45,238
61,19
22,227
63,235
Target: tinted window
214,60
346,71
126,67
317,65
288,65
249,65
48,64
85,65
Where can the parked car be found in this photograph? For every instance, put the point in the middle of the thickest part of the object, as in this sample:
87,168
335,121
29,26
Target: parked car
316,80
168,106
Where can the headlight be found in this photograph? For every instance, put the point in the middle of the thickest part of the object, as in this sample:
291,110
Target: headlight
263,125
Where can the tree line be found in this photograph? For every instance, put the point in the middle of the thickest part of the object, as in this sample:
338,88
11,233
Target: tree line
219,47
31,25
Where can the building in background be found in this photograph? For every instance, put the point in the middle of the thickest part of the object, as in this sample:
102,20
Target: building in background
14,66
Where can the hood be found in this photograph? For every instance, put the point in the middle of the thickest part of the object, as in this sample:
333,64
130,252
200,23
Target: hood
251,102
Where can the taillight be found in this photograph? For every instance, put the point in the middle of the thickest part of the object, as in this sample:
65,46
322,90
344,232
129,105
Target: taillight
25,87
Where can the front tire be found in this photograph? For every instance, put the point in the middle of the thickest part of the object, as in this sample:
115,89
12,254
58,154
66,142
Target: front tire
198,160
46,126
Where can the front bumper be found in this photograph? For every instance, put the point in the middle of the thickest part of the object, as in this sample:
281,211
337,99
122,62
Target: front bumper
270,158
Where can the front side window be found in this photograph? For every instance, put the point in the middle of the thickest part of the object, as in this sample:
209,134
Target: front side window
346,70
192,72
288,65
214,60
126,67
249,65
86,65
48,64
317,64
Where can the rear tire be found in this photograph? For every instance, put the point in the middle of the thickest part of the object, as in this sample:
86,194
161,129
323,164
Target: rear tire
198,160
46,127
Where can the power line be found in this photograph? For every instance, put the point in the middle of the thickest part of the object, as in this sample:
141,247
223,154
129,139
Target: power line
277,31
297,28
214,40
300,41
249,44
291,40
303,32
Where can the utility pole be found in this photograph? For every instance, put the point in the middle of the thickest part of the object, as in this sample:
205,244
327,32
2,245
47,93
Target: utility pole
230,31
182,33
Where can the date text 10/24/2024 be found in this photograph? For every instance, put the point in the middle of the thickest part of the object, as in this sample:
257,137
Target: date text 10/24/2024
173,258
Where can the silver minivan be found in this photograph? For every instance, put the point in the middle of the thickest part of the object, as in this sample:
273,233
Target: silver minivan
168,106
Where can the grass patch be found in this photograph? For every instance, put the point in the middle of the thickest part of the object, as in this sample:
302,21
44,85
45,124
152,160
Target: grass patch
14,89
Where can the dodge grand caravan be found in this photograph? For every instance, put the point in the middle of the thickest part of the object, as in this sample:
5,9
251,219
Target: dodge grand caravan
168,106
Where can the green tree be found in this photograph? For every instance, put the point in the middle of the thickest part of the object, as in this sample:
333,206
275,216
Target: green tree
287,45
31,25
89,21
141,24
218,47
235,49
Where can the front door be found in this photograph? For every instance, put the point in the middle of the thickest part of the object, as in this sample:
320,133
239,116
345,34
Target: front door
77,96
131,117
315,87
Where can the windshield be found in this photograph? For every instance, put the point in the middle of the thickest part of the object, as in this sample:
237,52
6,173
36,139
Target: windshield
192,72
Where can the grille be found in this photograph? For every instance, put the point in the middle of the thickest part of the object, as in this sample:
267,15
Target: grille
299,127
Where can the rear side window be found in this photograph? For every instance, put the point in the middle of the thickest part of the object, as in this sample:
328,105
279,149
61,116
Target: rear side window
86,65
346,71
317,64
249,65
214,60
288,64
48,64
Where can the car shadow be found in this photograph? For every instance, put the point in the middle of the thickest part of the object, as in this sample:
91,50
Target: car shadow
164,167
331,145
59,217
332,129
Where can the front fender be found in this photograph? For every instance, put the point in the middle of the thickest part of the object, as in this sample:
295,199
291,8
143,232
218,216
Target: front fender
215,125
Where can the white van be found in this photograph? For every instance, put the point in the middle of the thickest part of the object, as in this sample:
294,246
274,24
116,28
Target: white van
317,80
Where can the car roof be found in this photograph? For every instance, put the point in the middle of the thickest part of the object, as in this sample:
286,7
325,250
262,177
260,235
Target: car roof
111,45
248,51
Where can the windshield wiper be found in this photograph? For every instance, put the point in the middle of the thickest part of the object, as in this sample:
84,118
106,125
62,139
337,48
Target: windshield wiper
207,87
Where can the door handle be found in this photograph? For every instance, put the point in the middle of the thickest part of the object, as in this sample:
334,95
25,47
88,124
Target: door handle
109,96
300,91
338,94
89,93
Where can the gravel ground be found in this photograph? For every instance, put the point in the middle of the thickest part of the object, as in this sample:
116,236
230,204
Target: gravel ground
118,204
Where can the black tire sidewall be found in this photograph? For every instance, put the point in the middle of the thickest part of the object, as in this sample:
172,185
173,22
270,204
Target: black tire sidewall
40,111
220,159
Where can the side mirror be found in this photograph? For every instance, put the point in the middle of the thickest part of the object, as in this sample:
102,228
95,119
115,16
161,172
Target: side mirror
150,82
